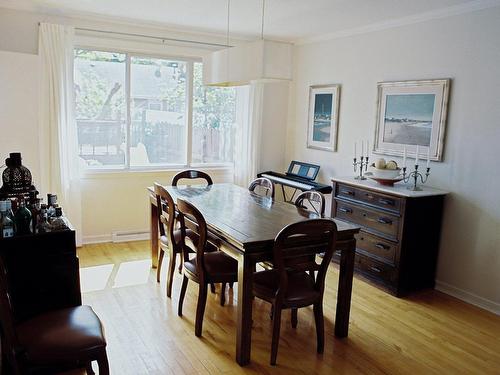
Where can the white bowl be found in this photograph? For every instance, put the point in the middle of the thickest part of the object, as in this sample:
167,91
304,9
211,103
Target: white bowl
386,173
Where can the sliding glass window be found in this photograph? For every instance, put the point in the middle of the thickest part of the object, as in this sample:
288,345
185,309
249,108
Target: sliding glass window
136,112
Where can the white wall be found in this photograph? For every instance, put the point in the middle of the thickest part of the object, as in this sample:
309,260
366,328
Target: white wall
112,202
464,48
19,109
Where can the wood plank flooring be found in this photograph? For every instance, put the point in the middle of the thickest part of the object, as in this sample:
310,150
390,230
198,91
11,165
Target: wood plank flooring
427,333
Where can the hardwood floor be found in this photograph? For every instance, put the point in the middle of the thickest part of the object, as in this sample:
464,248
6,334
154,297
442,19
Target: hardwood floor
427,333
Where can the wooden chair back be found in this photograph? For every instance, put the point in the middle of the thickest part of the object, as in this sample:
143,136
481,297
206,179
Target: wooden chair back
192,174
189,213
295,248
264,184
314,199
166,212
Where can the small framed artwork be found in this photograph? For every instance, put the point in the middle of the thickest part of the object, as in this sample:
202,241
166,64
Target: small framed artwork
411,114
323,117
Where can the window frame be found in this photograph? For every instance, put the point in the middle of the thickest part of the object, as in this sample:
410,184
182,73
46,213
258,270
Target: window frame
190,61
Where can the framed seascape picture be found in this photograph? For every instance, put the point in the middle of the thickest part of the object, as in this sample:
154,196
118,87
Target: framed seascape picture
411,114
323,117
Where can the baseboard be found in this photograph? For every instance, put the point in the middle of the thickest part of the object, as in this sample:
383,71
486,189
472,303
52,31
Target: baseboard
122,236
468,297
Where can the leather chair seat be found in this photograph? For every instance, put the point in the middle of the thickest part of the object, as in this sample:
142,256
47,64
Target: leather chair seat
217,265
61,335
300,287
193,236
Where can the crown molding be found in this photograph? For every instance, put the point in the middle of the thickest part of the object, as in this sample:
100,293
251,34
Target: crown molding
451,11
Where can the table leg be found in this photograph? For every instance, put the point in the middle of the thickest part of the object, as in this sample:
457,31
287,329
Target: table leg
154,235
244,323
345,289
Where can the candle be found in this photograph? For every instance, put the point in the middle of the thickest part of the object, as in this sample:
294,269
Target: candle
367,147
362,148
355,150
428,156
404,157
416,156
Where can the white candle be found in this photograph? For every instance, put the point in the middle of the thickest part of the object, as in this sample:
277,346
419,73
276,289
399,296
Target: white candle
416,156
362,148
428,156
367,148
404,157
355,150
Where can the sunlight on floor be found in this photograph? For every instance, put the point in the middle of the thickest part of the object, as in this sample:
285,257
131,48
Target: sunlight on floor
95,278
115,275
132,273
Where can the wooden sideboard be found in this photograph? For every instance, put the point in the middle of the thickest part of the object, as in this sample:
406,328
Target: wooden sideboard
398,244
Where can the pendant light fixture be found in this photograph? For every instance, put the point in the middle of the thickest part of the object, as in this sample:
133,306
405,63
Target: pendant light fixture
262,60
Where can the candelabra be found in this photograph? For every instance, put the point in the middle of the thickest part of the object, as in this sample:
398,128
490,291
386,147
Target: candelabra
363,163
415,175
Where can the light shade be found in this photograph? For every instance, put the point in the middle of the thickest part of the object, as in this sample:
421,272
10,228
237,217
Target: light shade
259,60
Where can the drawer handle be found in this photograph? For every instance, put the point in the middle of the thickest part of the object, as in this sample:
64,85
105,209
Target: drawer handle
369,196
337,252
384,220
382,246
375,269
346,210
388,202
347,192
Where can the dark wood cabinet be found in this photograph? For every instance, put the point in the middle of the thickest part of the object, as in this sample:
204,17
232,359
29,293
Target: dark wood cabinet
43,272
398,244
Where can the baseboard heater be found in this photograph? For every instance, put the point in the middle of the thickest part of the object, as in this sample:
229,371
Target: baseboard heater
126,236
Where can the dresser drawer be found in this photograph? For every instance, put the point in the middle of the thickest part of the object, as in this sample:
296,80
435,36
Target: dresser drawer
381,222
377,247
376,270
386,202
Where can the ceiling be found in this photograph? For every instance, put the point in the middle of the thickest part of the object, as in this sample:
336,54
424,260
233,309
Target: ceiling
290,20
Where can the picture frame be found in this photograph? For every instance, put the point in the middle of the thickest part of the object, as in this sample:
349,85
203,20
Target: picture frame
411,113
323,120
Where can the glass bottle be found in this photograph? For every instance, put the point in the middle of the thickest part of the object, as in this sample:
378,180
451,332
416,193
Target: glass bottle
43,225
22,219
51,205
58,223
6,224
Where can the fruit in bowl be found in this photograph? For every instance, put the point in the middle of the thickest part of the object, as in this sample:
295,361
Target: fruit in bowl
383,169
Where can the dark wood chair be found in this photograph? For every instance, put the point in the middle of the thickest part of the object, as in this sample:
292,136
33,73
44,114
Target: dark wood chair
205,267
262,184
54,341
191,174
291,285
312,200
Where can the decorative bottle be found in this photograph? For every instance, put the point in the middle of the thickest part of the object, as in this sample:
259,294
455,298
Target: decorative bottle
6,224
22,218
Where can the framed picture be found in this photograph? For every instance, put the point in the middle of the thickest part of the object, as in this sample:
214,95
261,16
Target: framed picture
323,117
411,114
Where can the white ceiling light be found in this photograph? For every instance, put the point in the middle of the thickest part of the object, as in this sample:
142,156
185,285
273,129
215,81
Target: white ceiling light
254,61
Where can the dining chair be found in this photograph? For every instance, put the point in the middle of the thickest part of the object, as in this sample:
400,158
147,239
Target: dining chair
191,174
262,184
291,285
205,267
311,200
170,235
54,341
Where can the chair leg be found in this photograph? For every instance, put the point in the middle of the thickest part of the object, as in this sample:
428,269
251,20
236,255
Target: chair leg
294,318
170,273
276,333
320,329
89,370
223,294
181,263
102,361
271,313
200,309
183,293
160,261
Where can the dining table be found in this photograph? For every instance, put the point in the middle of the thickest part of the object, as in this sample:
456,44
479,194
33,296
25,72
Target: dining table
246,225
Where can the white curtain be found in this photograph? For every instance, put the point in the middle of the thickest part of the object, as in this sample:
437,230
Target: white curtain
58,133
249,132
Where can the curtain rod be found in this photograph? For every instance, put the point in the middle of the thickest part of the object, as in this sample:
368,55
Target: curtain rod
163,39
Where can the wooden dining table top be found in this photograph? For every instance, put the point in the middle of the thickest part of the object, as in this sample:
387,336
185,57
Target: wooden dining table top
245,219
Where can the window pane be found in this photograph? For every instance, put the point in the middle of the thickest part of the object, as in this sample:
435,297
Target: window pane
214,116
158,112
100,107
